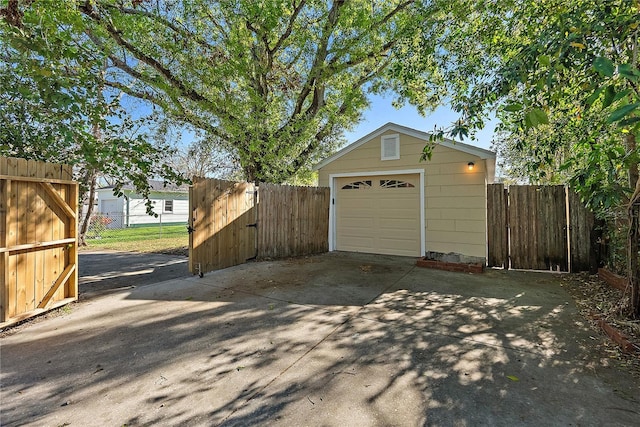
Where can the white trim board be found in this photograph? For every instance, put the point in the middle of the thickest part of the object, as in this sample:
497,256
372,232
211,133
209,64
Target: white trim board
465,148
332,206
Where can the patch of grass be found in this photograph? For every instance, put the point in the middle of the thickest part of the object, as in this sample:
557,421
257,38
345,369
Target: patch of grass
141,233
166,239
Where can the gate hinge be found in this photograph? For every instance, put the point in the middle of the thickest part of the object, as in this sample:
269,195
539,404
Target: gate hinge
255,225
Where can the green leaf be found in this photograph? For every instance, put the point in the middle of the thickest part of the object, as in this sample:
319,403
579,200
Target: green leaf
513,378
512,108
604,66
527,122
544,60
629,72
594,96
630,121
609,95
622,112
621,94
536,117
427,152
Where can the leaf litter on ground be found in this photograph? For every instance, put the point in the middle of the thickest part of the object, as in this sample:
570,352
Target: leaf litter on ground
595,300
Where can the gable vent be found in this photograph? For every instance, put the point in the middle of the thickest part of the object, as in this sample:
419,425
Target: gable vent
390,147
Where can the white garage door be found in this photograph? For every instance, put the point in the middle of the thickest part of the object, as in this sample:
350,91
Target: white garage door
378,214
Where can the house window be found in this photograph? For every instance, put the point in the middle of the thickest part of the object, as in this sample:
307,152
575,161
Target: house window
168,205
357,185
390,147
393,183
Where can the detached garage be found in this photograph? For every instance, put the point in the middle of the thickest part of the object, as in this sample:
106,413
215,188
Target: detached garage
385,201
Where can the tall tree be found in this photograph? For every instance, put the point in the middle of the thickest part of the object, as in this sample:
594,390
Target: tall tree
273,81
54,108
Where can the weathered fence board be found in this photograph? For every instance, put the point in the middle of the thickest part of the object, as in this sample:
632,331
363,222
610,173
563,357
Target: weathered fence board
292,220
38,238
537,223
538,228
234,222
581,222
497,226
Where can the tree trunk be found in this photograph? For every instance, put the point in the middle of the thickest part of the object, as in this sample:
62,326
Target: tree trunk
91,180
634,210
634,233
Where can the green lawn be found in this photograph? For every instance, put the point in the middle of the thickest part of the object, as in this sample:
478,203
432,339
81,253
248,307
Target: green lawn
166,238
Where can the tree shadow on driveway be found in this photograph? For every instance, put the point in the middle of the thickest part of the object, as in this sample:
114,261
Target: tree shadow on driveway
330,340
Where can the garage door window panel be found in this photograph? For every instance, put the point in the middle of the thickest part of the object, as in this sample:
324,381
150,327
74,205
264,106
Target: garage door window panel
394,183
357,185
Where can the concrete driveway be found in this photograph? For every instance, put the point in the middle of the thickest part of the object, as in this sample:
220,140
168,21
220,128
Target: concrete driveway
332,340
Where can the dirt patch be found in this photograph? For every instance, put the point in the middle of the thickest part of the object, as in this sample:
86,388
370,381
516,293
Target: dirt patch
597,300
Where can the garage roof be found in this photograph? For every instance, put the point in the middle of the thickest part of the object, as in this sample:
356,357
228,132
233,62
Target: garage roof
466,148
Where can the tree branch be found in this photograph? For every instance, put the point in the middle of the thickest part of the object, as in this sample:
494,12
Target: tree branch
303,157
373,28
321,55
162,21
173,80
289,29
335,67
137,94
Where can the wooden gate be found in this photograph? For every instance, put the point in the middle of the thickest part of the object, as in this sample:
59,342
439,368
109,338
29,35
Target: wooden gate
232,222
537,228
222,229
38,231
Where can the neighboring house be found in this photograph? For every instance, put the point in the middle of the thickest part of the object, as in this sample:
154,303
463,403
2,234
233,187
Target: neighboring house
385,200
170,202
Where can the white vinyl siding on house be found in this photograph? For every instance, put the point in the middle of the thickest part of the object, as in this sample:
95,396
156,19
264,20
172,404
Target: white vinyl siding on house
170,208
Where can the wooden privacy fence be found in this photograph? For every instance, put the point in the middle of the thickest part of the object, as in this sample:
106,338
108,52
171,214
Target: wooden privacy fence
537,227
233,222
38,238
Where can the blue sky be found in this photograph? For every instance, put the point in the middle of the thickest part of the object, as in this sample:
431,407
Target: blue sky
381,112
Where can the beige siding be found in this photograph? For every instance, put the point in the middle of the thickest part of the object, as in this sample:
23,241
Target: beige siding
455,198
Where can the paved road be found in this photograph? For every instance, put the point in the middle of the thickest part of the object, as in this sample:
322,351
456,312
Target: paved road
101,272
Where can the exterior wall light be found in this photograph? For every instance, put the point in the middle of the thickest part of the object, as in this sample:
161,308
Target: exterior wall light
470,166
